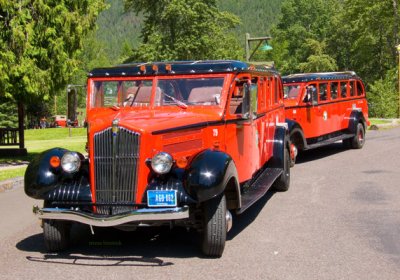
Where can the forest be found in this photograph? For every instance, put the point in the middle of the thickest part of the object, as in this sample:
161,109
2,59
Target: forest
307,36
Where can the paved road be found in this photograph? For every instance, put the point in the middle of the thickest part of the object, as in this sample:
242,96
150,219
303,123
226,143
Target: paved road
339,220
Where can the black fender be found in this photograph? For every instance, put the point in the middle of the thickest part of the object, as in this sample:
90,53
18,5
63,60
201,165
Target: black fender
295,129
356,117
208,174
42,181
281,142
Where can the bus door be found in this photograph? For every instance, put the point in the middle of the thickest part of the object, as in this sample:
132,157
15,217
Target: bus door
241,133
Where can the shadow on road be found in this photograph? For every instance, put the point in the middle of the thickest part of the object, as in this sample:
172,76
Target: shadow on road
112,247
242,221
143,247
321,152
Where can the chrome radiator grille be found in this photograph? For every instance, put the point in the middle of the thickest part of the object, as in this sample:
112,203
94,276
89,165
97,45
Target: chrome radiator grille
115,169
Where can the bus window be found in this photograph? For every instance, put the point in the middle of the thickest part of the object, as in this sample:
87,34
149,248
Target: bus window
323,91
351,88
343,89
360,90
262,106
276,93
334,90
311,95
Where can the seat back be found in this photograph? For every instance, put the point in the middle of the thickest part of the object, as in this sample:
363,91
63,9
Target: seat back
205,95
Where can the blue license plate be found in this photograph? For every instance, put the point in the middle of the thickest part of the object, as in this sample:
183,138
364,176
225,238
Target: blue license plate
161,198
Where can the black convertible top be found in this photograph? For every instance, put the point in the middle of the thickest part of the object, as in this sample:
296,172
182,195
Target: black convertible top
307,77
179,67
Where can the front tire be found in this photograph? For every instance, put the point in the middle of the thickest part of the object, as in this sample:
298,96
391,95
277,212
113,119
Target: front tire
56,235
283,182
215,228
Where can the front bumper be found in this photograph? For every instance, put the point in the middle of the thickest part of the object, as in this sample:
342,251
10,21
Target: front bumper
139,215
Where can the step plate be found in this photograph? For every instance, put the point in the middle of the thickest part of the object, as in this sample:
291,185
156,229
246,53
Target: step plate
259,188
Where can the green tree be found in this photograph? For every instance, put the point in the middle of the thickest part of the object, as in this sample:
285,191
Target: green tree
39,45
363,37
299,38
184,30
383,96
8,114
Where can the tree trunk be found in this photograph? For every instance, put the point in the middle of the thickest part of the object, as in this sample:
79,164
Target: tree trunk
21,115
396,22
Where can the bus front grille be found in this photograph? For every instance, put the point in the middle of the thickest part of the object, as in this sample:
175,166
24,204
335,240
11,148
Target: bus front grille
116,158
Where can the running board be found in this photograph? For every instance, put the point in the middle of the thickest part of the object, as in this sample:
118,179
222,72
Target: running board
329,141
259,188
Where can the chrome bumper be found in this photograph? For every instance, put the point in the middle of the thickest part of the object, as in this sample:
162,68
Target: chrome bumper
139,215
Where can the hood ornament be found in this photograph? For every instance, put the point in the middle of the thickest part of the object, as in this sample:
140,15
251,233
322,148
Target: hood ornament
115,127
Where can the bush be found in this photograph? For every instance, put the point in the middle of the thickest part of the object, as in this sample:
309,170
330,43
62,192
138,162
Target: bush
383,97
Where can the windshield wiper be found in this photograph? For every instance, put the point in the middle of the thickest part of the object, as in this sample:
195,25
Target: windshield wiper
177,101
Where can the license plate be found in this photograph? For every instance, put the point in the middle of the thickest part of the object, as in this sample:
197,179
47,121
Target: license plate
161,198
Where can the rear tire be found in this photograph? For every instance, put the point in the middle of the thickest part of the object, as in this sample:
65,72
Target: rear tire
215,228
56,235
357,142
283,182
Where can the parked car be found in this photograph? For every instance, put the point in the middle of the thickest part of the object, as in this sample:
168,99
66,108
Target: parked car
322,108
170,143
58,121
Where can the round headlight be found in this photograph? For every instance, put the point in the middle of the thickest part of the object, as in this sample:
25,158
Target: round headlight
161,163
70,162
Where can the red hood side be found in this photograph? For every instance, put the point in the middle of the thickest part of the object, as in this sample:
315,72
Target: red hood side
148,120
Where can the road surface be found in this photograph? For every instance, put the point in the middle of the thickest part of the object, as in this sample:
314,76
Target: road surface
340,219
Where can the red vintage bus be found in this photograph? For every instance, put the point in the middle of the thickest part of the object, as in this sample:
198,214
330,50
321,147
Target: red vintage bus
170,143
322,108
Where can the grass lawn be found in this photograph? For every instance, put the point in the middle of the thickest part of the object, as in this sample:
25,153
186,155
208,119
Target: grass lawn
39,140
12,173
379,121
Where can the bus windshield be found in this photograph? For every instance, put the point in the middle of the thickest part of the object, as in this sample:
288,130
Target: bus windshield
182,92
291,91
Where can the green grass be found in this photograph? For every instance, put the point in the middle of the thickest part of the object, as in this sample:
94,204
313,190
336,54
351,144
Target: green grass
12,173
39,140
379,121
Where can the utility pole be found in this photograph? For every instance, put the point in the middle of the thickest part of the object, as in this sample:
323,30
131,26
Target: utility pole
256,39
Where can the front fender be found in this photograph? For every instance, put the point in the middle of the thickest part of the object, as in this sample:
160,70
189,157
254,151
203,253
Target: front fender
208,174
42,181
281,142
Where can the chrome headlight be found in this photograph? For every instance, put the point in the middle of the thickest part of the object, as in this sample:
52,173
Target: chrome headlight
161,163
70,162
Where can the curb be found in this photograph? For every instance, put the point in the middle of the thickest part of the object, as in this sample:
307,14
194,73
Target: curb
11,184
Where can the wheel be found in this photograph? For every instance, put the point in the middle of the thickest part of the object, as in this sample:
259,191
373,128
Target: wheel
357,142
283,182
293,154
56,235
215,228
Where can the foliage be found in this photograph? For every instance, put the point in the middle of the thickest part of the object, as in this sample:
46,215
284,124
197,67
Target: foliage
383,97
184,30
257,16
39,44
8,114
299,38
363,37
